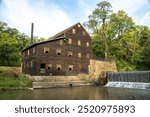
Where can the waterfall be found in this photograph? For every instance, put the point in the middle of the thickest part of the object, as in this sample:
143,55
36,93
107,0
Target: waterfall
135,79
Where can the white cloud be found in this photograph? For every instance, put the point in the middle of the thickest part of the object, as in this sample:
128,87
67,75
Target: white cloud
134,9
130,6
48,19
145,20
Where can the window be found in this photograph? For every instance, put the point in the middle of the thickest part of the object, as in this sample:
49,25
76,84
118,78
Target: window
83,33
42,66
28,52
87,44
58,67
79,55
58,51
46,50
33,50
70,53
61,42
79,25
74,31
79,42
70,41
49,66
87,55
70,67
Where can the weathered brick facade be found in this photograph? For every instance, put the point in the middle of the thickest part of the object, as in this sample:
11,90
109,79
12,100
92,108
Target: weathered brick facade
58,56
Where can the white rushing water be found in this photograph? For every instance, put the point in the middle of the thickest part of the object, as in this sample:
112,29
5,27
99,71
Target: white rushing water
137,85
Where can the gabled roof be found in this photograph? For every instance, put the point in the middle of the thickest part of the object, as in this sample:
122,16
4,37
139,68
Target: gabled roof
57,36
63,32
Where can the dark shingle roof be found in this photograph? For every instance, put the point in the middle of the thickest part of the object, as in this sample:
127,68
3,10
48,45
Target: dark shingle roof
54,38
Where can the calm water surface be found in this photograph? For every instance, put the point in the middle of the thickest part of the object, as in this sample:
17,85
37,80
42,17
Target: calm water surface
77,93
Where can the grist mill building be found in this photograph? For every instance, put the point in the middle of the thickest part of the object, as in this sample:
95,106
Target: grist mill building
67,53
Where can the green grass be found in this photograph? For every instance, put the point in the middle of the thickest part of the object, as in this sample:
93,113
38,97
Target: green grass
12,78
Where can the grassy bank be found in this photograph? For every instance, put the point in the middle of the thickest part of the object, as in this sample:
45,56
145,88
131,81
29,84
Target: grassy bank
11,78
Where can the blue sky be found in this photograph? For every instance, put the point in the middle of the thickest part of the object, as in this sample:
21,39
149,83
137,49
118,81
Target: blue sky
52,16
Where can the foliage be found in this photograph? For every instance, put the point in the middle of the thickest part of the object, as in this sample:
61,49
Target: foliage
12,42
119,38
99,17
9,78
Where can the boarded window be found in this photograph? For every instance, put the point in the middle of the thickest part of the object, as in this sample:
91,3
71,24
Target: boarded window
83,33
70,53
49,66
87,55
74,31
46,50
87,44
79,42
33,50
59,67
61,42
28,52
58,51
70,41
70,67
79,55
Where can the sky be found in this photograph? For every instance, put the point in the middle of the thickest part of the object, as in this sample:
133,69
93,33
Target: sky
52,16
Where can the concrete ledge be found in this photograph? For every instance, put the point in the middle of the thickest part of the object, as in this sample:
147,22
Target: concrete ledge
37,85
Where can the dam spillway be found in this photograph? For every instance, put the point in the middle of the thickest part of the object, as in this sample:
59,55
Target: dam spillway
135,79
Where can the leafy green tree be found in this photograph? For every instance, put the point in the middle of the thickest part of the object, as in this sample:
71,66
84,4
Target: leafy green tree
98,18
11,44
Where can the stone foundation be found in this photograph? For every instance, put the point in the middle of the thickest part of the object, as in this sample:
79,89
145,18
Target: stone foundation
97,68
96,76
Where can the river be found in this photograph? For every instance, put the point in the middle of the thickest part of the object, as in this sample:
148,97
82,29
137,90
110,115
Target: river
77,93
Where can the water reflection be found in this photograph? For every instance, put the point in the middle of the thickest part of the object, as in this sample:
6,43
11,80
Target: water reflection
78,93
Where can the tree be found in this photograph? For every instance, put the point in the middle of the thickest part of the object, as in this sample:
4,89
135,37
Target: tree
98,18
11,44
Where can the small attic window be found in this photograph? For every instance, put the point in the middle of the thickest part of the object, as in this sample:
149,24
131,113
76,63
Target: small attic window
74,31
79,25
83,33
87,44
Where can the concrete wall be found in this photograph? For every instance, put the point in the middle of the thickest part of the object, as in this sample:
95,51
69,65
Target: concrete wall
98,68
